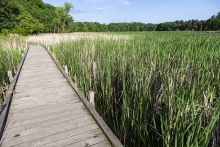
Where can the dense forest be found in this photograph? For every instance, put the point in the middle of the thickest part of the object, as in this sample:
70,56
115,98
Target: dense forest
34,16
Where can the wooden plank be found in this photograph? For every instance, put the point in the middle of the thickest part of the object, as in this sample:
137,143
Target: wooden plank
46,72
79,140
46,118
41,93
70,105
35,71
23,131
47,122
44,87
96,138
47,89
41,83
50,136
32,99
42,106
55,99
49,73
73,138
27,118
102,144
42,78
45,110
37,82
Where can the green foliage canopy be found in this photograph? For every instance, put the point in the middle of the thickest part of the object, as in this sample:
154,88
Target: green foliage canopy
50,19
13,13
28,25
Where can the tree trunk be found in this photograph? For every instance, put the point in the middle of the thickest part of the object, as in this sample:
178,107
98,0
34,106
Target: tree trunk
63,25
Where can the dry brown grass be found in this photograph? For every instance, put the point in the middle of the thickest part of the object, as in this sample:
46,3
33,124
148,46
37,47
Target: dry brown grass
52,39
13,42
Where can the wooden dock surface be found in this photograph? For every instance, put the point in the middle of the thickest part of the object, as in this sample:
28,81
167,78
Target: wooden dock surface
46,110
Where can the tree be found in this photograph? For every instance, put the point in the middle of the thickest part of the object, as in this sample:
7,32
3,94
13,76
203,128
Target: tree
11,9
56,23
62,13
28,25
8,14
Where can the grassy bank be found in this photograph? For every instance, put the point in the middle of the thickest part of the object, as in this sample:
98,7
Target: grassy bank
152,89
10,56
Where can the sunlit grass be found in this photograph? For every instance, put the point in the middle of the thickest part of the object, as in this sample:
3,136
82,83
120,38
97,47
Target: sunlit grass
152,89
10,56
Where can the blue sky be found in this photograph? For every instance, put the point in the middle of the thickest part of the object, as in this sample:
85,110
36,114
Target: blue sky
146,11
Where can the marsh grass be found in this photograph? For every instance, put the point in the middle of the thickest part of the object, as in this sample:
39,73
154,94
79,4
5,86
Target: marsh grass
10,55
152,89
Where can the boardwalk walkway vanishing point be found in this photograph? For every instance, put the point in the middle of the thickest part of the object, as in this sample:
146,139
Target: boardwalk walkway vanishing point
45,108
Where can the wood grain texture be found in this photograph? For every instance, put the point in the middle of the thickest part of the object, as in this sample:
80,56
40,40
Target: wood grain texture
45,110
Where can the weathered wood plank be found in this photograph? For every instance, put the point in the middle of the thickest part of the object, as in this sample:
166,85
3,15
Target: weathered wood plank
45,90
80,140
45,125
72,104
102,144
52,135
45,118
31,100
46,110
42,106
41,93
24,119
41,83
97,138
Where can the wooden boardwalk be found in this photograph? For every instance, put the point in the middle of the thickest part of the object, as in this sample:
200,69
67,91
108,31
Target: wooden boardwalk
47,109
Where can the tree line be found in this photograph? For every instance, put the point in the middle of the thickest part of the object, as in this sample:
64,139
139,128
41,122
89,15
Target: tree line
212,24
34,16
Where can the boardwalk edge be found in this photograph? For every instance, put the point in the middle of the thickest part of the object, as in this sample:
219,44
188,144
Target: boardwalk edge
7,102
104,127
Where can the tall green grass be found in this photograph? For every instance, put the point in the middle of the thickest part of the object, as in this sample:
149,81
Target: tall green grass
154,89
10,56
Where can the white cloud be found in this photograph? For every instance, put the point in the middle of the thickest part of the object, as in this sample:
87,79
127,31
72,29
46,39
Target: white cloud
125,3
108,7
165,7
105,8
100,9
